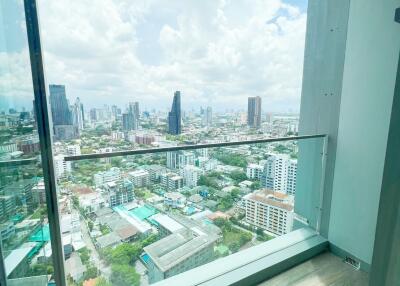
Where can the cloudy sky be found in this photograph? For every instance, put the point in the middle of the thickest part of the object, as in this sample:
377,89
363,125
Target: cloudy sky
217,52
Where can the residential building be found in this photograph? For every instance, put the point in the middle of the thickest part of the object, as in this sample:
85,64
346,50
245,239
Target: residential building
7,206
119,192
7,231
254,171
155,172
100,178
166,225
140,178
144,139
280,172
185,158
73,150
272,211
254,112
174,200
22,192
184,249
174,116
191,175
61,167
171,181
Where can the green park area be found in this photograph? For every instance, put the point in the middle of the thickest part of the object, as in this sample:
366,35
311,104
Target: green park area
233,237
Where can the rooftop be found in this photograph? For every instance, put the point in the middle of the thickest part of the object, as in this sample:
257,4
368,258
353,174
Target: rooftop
167,222
108,239
16,256
175,248
272,198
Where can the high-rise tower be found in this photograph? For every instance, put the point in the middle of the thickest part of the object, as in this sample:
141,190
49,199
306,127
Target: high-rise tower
174,116
254,112
60,111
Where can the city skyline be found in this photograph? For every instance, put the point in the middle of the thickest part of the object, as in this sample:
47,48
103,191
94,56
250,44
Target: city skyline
239,51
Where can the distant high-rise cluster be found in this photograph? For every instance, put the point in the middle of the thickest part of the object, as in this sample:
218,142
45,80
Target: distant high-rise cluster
174,116
130,119
254,112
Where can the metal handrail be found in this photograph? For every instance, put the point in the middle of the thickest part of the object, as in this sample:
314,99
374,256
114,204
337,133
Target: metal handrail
17,162
187,147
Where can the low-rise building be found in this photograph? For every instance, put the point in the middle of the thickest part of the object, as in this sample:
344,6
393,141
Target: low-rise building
174,200
184,249
74,267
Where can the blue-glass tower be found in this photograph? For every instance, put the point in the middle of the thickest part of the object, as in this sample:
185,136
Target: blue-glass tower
174,116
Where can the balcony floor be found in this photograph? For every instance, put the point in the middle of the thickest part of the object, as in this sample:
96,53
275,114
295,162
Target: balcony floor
324,269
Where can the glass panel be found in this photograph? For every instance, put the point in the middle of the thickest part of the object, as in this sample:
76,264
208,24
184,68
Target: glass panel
24,228
133,74
149,217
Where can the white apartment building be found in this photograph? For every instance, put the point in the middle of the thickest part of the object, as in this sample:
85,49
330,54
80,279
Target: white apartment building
171,181
254,171
191,175
140,178
272,211
61,167
111,175
117,135
185,158
280,173
174,200
73,150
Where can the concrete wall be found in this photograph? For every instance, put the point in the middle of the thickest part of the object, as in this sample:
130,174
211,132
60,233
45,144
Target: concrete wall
372,51
320,105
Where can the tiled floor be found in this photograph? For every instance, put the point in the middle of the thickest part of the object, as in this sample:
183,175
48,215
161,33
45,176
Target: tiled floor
325,269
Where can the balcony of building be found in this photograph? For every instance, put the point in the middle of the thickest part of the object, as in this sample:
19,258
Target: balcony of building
343,217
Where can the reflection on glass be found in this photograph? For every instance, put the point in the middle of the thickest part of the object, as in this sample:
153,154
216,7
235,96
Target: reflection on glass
24,228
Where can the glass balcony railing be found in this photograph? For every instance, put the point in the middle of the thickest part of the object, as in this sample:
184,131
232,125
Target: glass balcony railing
146,215
25,236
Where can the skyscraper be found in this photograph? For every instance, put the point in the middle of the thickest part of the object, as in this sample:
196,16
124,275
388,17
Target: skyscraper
61,114
78,114
134,111
206,116
60,111
130,119
254,112
174,116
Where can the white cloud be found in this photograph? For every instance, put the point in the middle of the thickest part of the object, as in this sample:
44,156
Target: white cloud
215,52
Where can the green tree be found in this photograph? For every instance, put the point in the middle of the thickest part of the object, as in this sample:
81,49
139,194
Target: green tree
255,186
101,281
238,176
125,253
84,254
124,275
90,225
91,272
